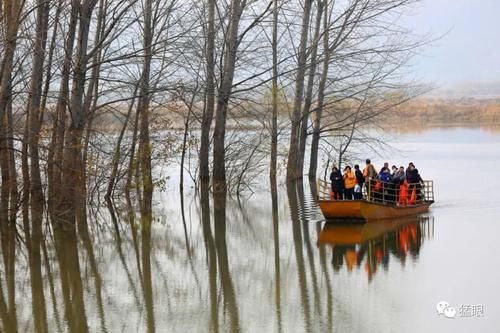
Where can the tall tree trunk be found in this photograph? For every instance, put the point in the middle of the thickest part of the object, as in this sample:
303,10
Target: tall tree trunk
208,112
92,96
55,154
274,119
231,46
11,20
50,57
292,168
143,109
132,161
184,148
14,193
73,172
313,164
309,91
36,190
5,169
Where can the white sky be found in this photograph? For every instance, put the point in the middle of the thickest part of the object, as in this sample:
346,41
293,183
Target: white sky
469,51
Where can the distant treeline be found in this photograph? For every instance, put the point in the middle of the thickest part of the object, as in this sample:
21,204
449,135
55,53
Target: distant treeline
465,110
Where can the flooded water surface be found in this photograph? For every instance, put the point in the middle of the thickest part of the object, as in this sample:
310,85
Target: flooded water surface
269,262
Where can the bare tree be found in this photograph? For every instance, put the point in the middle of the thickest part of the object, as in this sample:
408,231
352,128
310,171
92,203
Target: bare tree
292,166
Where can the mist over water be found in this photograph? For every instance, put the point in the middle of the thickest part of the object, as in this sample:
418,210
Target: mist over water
269,262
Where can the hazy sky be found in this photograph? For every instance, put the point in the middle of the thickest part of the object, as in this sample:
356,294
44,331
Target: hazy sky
470,49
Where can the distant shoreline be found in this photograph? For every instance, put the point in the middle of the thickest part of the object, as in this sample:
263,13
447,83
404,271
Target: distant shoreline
417,114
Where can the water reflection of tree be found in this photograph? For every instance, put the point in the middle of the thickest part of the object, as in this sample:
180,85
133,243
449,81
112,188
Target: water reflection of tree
305,220
147,284
65,238
8,311
218,259
276,243
323,262
211,255
37,290
297,241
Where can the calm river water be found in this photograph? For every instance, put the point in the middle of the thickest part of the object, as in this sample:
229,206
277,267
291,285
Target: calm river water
269,263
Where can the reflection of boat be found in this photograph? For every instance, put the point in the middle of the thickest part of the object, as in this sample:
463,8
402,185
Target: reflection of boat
376,206
342,234
370,245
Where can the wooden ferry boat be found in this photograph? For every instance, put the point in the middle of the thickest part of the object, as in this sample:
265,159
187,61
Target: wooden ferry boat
377,203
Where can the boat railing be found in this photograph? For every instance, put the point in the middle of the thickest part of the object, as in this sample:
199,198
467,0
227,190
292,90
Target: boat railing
376,190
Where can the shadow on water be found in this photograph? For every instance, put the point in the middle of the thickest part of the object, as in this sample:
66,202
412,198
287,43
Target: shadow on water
125,271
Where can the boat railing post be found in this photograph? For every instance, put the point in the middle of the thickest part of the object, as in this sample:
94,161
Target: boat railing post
320,187
368,194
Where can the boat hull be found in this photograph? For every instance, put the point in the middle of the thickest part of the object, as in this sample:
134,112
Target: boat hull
367,210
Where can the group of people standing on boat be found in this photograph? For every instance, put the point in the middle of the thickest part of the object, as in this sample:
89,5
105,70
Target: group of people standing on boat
392,185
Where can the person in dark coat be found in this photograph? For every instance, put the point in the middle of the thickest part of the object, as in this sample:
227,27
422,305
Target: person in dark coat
384,193
399,176
337,184
414,180
360,180
412,175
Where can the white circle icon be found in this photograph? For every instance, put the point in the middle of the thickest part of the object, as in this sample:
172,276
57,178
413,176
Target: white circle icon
441,306
450,312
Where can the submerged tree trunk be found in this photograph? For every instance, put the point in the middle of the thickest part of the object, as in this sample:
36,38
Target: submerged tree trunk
34,102
293,154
